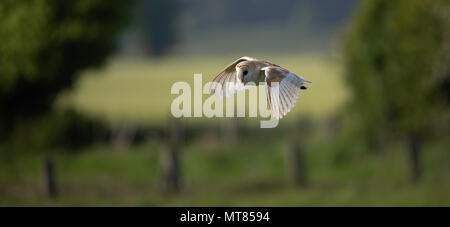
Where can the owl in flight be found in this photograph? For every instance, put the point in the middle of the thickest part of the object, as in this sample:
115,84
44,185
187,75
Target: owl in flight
282,86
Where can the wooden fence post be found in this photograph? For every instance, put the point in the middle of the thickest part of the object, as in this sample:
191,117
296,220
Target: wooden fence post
294,153
230,130
295,164
49,181
170,158
414,156
123,137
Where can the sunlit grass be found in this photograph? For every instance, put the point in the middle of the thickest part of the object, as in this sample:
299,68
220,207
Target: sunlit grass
137,89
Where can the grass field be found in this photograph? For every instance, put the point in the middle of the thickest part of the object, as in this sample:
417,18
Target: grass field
248,174
139,89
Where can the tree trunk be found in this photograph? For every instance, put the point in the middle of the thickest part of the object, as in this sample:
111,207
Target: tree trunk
414,156
49,177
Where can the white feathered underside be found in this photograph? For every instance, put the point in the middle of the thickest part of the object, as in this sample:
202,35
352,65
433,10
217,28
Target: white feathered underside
228,85
231,87
284,97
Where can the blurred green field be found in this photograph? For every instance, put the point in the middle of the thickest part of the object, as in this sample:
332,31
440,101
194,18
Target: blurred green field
247,174
133,89
108,138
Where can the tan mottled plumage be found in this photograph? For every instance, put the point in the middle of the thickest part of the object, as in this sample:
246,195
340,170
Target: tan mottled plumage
282,86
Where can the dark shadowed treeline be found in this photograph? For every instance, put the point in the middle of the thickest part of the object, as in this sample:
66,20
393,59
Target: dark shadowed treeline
158,22
45,45
207,14
170,27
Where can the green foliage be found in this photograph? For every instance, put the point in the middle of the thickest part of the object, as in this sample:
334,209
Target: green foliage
45,44
395,57
59,128
158,20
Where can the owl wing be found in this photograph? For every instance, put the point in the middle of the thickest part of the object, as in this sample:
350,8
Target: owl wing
282,89
227,82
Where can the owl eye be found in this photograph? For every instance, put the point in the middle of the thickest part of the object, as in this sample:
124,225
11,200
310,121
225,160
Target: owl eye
245,72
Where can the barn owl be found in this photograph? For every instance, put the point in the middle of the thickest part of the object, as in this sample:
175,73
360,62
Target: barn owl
282,86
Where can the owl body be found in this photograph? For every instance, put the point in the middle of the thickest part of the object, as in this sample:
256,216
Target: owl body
282,86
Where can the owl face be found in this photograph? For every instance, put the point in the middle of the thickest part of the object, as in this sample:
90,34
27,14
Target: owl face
245,73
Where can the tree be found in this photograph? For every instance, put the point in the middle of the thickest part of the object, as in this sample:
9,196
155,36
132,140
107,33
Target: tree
396,57
158,22
44,46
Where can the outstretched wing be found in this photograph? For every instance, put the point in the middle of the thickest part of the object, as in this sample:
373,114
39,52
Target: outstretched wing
282,89
226,82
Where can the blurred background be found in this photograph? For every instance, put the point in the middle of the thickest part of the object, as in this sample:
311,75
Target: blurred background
85,103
